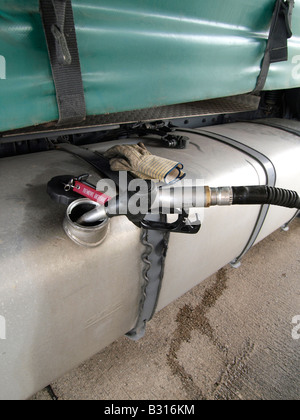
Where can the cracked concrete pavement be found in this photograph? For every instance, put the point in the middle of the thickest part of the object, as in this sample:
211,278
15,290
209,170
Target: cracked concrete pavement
230,338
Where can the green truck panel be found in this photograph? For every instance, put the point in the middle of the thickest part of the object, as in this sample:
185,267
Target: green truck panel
138,54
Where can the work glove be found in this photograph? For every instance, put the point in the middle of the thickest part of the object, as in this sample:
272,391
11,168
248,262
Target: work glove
142,164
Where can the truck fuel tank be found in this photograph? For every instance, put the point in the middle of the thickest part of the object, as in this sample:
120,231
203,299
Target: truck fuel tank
62,303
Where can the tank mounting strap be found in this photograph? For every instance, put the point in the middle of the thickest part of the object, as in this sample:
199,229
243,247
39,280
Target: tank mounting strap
156,246
59,28
99,162
279,126
268,168
277,46
297,214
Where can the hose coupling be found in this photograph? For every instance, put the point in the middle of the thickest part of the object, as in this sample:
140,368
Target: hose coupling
221,196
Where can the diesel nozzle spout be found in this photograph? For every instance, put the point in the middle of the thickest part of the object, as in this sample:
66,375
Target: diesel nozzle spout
93,216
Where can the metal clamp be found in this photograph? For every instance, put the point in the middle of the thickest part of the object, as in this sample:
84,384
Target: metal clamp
167,134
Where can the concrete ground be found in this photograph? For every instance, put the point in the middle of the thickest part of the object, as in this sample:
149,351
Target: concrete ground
230,338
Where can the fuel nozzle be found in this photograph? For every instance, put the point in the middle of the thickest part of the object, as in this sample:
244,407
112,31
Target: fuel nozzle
170,200
165,199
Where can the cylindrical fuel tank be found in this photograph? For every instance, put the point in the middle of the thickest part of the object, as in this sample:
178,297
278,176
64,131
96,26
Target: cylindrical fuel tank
62,303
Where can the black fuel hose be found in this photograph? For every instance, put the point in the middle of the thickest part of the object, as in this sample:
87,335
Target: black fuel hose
266,195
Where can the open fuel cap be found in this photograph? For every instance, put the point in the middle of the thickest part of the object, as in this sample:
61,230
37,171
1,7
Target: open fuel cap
57,192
